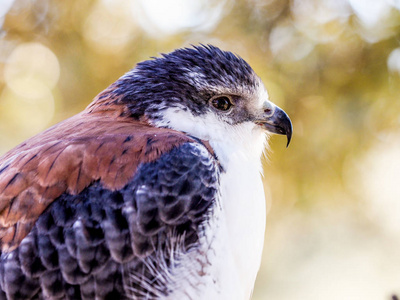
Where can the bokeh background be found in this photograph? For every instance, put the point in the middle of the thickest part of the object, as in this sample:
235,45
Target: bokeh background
333,229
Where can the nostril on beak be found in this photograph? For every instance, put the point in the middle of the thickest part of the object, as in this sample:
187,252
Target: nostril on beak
267,111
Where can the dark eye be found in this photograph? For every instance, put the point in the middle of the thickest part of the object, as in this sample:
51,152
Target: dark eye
221,103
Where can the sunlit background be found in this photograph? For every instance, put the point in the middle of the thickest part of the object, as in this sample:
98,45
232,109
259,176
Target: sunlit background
333,230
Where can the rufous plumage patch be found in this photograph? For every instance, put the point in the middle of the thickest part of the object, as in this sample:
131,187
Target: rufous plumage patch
95,145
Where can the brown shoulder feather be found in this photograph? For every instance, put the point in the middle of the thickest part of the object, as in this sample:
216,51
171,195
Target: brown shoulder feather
68,157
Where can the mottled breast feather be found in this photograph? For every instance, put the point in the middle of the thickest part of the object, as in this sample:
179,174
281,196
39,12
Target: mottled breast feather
96,145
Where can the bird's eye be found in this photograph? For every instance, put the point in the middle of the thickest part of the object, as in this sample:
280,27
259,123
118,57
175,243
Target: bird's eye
221,103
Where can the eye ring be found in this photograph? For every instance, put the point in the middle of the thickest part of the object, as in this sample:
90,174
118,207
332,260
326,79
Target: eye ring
222,103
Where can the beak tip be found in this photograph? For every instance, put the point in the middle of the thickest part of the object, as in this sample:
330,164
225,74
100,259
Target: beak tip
289,136
287,144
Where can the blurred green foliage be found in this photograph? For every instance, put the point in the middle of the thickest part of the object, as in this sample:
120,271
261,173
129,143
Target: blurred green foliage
332,65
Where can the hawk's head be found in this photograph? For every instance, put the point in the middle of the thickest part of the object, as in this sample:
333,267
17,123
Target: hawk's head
209,93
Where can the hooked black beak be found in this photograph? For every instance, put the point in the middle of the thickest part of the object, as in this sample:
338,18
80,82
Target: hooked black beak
278,122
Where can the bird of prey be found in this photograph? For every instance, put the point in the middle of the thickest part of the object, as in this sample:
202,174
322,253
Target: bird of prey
152,192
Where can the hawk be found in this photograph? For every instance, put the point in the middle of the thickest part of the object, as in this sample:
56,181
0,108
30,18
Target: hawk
152,192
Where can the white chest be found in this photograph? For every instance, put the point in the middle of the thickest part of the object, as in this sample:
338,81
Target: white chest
241,230
233,241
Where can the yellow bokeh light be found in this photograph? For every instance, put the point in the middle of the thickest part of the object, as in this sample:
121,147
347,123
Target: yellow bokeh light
31,70
26,115
172,16
109,26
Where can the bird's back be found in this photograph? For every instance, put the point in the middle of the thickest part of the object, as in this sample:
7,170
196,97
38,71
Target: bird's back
98,207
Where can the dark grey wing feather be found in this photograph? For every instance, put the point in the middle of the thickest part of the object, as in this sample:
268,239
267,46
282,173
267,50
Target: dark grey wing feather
105,244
